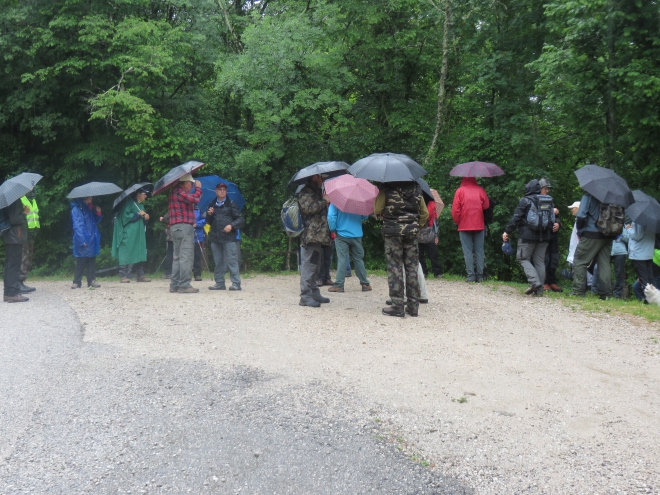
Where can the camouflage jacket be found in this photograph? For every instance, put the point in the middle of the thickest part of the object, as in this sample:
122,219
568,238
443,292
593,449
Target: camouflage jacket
402,210
314,211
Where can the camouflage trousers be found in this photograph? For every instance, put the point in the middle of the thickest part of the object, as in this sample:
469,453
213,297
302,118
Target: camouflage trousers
26,261
402,256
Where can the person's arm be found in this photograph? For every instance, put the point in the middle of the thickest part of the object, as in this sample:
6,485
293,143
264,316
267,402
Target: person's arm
456,206
485,202
518,214
238,220
332,218
192,197
583,212
423,212
379,204
636,232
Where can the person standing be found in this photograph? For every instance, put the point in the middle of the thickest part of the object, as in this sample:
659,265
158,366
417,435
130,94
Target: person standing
533,241
348,241
86,240
315,236
467,210
431,248
618,256
225,219
641,247
404,213
129,240
30,201
181,208
551,260
15,239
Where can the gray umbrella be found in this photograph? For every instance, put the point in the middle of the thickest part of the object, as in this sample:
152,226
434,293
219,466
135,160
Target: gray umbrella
387,167
645,211
94,189
129,191
329,169
605,185
17,187
175,174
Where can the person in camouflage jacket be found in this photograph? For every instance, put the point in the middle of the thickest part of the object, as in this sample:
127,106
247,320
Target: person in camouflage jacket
314,212
404,213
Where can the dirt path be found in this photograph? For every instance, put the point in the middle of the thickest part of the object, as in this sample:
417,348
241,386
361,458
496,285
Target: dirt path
509,394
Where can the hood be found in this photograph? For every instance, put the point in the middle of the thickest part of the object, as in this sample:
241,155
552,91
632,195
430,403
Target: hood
469,181
532,187
78,202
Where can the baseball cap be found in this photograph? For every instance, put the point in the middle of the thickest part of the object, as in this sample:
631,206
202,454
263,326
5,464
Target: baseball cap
545,183
222,184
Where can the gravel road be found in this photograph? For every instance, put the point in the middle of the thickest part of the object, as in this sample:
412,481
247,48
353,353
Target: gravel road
488,391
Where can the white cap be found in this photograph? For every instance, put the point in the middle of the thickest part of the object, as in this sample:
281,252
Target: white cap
187,178
575,205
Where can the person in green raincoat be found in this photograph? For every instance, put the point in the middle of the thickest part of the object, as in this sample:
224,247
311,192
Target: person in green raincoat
129,242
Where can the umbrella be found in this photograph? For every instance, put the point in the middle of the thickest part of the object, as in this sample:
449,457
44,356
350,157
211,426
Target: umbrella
94,189
351,195
431,195
476,169
604,185
387,167
129,191
645,211
208,191
15,188
331,169
175,174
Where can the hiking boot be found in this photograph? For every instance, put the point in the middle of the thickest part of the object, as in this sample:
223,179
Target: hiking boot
556,288
411,312
94,284
198,278
319,282
320,298
479,278
394,312
143,279
25,289
336,288
327,281
389,302
529,291
75,286
235,287
125,280
174,289
16,298
546,287
366,288
423,301
470,280
538,291
308,301
187,290
218,287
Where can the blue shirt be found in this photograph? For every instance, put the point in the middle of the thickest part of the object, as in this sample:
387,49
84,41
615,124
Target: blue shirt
344,224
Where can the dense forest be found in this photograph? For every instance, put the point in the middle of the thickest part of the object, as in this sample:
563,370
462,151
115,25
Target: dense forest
123,90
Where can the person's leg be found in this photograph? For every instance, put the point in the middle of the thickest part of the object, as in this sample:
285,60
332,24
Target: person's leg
604,269
423,295
422,257
79,270
325,264
357,251
478,242
468,245
343,248
218,259
637,289
595,279
411,265
311,258
169,254
232,258
552,262
432,251
197,260
585,252
177,242
644,271
139,271
12,270
524,253
186,255
348,264
91,271
619,261
125,272
395,277
27,252
538,260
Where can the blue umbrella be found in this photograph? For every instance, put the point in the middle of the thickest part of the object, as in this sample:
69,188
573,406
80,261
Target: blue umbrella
208,191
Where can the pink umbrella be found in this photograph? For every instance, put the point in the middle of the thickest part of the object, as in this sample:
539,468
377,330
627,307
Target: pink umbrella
351,195
476,169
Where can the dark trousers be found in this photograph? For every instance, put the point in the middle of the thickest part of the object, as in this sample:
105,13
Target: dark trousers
197,262
619,261
28,252
169,256
12,270
83,264
644,270
551,261
326,262
432,250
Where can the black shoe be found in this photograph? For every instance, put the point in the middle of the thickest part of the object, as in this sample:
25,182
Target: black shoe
308,301
25,289
423,301
394,312
529,291
319,298
235,287
218,287
389,302
479,279
603,297
411,312
470,280
538,291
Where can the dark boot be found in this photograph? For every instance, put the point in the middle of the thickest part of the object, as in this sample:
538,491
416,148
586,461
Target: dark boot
25,289
319,298
16,298
391,311
308,301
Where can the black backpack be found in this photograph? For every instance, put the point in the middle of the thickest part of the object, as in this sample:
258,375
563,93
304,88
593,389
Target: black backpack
489,213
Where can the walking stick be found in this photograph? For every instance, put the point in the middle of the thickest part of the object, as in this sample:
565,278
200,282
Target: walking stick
202,251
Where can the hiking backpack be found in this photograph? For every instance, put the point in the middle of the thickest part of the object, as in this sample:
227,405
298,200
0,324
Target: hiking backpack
292,221
489,213
610,221
4,221
541,213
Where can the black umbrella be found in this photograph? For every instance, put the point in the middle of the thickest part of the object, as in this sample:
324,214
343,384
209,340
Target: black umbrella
329,169
604,185
426,190
94,189
387,167
15,188
129,191
175,174
645,211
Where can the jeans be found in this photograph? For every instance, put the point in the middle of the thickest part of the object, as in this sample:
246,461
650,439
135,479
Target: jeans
12,271
183,255
644,269
532,259
125,270
311,259
352,245
473,241
619,261
589,249
227,257
83,264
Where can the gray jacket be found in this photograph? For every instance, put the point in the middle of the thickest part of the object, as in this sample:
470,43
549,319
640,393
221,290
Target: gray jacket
18,233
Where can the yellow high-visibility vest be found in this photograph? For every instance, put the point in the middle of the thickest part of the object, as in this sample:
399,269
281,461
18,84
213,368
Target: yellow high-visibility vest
33,216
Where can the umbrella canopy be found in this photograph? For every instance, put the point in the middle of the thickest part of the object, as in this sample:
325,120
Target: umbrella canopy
15,188
387,167
476,169
331,169
351,195
208,191
604,185
129,191
94,189
645,211
426,190
174,175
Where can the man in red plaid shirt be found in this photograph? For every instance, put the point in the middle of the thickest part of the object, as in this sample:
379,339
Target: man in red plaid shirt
181,208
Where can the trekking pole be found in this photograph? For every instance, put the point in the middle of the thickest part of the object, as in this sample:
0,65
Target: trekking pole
161,263
201,250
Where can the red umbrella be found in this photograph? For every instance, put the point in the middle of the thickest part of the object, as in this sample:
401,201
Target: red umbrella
476,169
351,195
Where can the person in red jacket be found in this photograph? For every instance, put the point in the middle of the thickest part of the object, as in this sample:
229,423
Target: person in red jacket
467,210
